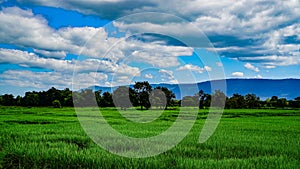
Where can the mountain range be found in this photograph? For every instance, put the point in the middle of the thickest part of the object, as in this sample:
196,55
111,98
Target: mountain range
264,88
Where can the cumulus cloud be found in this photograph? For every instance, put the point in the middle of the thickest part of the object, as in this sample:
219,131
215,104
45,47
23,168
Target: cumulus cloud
245,29
87,41
207,68
45,80
258,76
107,9
265,33
28,59
159,55
148,76
251,67
219,64
166,72
16,30
167,76
273,61
237,74
190,67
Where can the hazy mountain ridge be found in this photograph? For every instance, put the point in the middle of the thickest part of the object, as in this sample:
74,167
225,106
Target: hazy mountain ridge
264,88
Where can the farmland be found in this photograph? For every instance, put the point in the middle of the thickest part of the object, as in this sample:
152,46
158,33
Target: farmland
53,138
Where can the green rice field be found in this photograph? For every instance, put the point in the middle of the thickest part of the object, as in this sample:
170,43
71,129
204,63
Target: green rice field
53,138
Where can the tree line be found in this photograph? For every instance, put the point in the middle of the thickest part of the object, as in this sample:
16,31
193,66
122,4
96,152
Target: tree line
142,95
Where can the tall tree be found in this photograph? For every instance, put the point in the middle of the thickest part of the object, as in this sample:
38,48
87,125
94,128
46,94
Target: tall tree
106,100
252,101
207,100
237,101
282,102
67,97
274,101
31,99
190,101
143,90
133,96
202,96
121,97
164,95
218,99
157,98
7,100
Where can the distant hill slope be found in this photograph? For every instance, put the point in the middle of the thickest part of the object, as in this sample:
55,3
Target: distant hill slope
264,88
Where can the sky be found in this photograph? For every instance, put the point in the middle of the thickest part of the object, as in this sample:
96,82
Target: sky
77,44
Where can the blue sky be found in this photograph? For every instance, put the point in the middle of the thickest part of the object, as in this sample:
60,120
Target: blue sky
77,44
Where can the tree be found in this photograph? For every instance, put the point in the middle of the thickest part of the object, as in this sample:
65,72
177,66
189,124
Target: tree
282,102
190,101
274,101
143,90
252,101
56,104
84,98
206,100
133,96
157,98
236,102
7,100
67,98
218,99
31,99
18,101
106,100
164,95
295,103
121,97
98,96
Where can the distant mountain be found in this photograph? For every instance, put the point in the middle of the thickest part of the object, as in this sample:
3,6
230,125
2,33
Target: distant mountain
264,88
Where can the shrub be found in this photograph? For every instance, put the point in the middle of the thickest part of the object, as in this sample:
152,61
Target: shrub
56,104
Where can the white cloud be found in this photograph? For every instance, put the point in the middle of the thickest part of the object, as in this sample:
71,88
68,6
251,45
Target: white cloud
272,61
164,71
219,64
251,67
167,75
45,80
255,21
242,17
258,77
269,67
51,54
15,29
190,67
87,41
154,54
148,76
238,74
27,59
265,26
207,68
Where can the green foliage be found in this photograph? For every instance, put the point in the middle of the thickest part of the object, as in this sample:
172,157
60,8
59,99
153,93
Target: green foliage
56,104
121,97
143,90
218,99
236,102
252,101
189,101
142,95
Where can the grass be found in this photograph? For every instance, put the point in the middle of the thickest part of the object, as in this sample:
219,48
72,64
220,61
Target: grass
53,138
